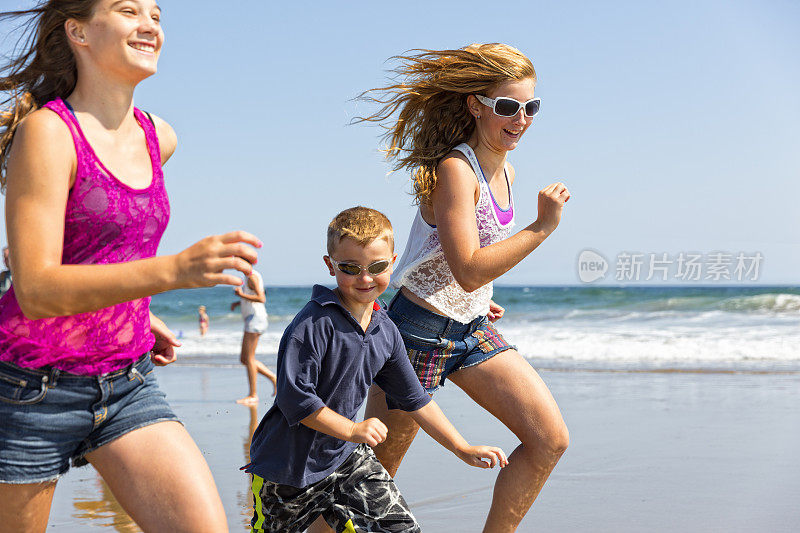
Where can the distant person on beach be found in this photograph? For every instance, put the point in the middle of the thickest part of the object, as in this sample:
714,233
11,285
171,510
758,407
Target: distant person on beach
459,113
86,207
254,313
202,319
309,457
5,275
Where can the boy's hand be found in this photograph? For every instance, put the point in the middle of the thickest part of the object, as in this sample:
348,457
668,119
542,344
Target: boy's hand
434,423
371,431
475,455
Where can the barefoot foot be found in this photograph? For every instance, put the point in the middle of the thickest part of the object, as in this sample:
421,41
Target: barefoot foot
248,400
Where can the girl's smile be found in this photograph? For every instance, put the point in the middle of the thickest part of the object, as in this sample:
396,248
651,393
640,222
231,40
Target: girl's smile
504,133
146,48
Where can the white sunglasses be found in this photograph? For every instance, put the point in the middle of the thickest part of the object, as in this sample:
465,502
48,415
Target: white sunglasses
508,107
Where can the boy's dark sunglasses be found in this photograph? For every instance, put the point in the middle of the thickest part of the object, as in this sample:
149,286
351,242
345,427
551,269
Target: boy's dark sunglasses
352,269
508,107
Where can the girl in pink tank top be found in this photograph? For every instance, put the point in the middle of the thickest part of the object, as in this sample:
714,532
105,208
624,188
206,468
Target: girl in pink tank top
84,220
106,221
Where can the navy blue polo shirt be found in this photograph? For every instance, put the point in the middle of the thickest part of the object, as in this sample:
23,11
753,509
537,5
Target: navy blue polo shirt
326,359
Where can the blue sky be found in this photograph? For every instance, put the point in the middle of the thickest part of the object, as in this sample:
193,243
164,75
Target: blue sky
676,126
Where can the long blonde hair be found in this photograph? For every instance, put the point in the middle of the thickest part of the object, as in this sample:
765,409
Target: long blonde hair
43,70
431,97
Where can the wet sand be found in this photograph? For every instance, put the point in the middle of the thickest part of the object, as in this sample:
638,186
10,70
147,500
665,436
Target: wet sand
649,452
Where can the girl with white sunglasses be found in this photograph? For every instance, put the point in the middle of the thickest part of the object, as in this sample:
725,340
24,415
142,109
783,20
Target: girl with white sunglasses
452,119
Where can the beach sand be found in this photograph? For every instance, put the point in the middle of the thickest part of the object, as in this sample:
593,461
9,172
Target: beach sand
649,452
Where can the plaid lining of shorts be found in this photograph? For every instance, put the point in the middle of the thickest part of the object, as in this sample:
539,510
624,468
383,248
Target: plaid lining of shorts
489,339
430,365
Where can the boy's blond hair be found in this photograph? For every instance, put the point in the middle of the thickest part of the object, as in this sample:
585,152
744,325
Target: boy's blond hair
361,224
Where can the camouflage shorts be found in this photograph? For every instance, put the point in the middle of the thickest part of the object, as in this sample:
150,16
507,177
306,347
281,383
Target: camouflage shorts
359,496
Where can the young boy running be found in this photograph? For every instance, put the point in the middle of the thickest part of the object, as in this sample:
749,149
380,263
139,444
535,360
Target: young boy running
308,456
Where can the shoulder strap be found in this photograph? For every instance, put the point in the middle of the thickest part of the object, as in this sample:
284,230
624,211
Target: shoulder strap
465,149
65,112
151,135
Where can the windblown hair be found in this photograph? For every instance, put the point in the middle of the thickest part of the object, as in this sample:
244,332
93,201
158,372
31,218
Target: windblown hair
43,68
361,224
431,97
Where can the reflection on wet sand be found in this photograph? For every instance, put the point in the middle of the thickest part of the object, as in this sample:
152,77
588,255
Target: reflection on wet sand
105,511
246,497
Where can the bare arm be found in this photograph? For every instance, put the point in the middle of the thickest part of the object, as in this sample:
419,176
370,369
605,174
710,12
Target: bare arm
325,420
432,420
258,286
254,282
37,191
251,297
454,205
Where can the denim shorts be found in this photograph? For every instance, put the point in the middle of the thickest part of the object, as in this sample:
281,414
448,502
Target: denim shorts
51,418
438,346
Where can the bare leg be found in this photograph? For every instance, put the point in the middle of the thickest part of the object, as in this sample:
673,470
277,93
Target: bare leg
506,380
25,508
402,430
248,359
264,371
161,480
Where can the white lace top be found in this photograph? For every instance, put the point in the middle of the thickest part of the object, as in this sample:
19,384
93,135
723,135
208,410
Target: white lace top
423,268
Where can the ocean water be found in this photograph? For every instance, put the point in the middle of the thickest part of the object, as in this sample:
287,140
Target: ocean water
576,327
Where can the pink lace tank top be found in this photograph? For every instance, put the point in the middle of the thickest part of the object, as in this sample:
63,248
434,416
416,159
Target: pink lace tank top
105,222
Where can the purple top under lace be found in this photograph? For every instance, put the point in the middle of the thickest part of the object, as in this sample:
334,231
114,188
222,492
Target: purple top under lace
105,222
504,216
